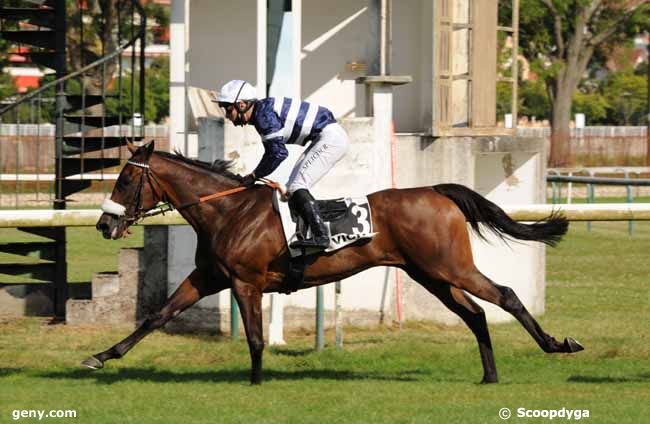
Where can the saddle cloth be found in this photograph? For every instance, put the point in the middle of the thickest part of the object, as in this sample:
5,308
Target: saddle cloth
348,220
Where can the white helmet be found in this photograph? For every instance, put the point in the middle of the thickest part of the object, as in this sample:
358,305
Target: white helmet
236,90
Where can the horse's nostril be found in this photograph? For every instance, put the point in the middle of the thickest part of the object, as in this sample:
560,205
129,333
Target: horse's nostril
103,228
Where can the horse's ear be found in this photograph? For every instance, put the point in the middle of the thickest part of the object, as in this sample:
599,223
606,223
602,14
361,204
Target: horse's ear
132,147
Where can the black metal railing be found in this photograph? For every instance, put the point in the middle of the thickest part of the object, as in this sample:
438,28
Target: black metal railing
57,134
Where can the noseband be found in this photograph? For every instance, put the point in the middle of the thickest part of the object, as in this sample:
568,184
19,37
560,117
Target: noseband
146,176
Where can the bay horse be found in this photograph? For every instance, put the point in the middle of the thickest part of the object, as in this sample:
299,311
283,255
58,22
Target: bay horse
241,246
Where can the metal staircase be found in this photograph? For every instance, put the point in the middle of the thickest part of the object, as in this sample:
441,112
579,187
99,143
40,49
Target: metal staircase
40,32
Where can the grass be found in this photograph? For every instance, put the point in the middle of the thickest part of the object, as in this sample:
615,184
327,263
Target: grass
597,292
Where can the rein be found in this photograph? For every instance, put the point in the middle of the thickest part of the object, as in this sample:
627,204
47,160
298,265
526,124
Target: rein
269,183
110,206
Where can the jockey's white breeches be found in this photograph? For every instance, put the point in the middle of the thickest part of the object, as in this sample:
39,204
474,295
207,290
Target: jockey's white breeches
320,156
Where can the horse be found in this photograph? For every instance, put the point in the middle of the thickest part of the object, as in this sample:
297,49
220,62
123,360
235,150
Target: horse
241,246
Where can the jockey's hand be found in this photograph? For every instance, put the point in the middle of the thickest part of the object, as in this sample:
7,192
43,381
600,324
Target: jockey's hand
248,180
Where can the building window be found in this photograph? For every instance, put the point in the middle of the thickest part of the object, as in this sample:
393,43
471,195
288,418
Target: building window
468,54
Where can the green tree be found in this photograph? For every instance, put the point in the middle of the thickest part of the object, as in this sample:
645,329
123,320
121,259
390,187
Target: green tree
158,88
564,35
594,105
156,99
534,100
6,85
626,94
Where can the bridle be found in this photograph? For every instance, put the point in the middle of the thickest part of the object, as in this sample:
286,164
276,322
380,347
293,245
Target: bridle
148,176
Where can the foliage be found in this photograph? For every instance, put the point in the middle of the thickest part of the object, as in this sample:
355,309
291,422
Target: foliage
99,37
534,100
504,99
156,100
564,36
626,94
158,88
6,86
593,105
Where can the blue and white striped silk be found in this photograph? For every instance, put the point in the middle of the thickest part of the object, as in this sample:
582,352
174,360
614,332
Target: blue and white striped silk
283,120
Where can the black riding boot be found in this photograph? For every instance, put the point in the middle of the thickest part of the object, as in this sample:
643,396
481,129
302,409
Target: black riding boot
303,202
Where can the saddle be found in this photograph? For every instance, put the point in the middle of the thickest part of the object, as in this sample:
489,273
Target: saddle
348,221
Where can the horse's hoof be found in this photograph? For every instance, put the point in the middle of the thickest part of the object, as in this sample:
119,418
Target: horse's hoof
489,380
572,345
93,363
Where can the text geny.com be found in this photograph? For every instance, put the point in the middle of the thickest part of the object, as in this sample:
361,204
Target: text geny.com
17,414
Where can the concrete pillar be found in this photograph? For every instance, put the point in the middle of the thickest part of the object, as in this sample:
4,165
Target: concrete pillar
152,290
379,105
261,48
178,68
276,321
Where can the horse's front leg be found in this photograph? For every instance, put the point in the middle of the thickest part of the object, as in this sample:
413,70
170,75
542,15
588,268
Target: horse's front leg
249,298
193,288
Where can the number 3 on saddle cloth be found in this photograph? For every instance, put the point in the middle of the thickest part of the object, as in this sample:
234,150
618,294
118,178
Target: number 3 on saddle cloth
348,220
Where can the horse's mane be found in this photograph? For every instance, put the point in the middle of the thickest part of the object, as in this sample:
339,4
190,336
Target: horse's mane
219,166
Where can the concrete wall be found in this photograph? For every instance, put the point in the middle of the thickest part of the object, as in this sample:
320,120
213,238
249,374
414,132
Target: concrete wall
412,55
223,42
129,295
334,34
223,45
506,170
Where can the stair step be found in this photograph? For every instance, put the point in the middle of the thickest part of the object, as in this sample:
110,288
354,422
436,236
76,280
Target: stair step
44,39
90,122
72,166
50,3
72,145
44,250
43,271
74,186
40,17
75,101
51,233
105,284
46,59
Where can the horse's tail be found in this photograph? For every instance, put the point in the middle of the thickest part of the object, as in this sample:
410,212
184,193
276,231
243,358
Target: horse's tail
479,210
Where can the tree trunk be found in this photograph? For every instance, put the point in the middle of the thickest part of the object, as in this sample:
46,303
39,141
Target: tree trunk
560,125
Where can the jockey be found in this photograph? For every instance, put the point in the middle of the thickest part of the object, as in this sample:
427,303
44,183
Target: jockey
281,121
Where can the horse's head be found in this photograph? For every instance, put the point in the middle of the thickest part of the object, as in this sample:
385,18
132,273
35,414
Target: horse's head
133,195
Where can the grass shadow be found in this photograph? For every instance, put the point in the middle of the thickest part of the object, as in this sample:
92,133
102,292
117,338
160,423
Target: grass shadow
4,372
167,376
291,352
591,379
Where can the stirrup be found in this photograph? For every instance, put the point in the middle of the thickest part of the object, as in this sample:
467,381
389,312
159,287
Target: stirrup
315,243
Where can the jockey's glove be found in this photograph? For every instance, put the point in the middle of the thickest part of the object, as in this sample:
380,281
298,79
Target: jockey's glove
248,180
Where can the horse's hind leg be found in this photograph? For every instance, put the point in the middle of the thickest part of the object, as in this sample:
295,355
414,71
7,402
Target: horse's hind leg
189,292
481,286
474,316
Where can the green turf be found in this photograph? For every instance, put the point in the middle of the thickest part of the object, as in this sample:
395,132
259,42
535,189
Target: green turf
598,291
